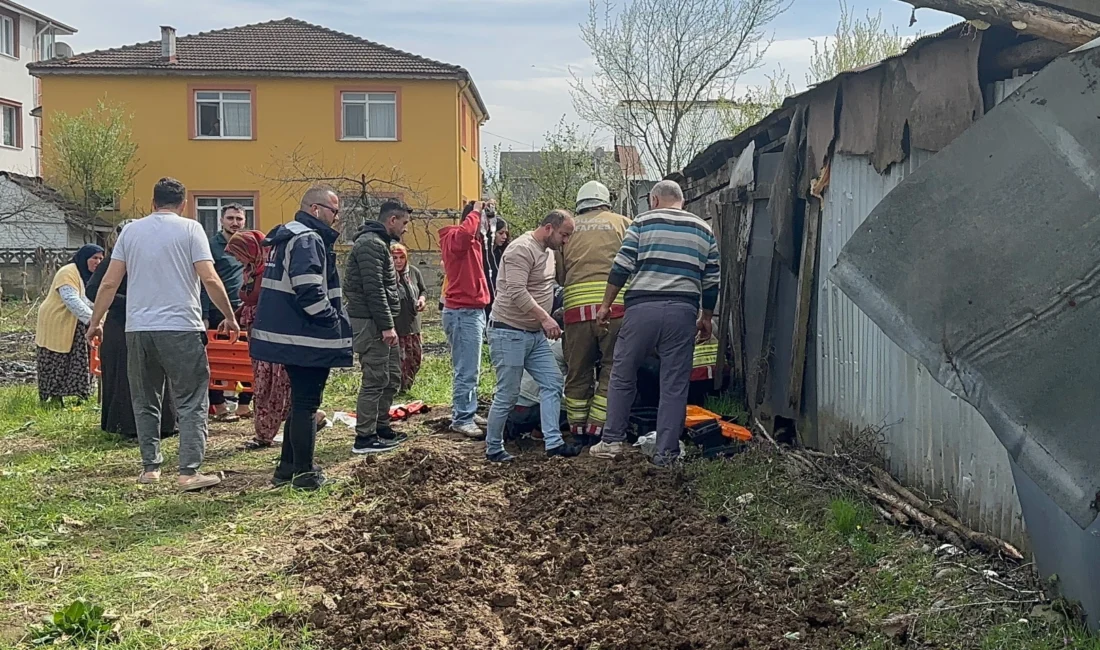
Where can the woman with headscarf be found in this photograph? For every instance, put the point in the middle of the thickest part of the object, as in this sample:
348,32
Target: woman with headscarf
413,294
501,237
63,369
116,414
270,383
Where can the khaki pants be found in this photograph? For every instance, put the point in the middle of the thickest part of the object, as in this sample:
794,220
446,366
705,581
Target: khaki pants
588,349
381,365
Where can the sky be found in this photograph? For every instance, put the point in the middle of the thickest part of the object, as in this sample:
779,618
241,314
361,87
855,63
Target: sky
519,52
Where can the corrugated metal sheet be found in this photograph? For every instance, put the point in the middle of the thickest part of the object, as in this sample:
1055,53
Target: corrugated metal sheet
934,440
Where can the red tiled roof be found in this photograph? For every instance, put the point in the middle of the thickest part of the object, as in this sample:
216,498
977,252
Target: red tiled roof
287,47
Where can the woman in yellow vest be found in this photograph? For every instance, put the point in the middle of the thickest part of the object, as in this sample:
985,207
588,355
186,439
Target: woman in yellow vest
63,369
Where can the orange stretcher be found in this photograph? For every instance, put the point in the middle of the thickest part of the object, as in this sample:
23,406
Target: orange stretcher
229,362
697,416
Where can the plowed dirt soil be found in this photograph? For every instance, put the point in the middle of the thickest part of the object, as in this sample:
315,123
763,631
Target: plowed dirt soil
448,552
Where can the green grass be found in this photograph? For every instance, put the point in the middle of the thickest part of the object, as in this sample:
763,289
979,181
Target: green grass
188,571
18,316
728,406
895,573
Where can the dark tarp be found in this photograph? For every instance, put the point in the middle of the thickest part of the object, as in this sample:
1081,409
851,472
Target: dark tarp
820,128
985,266
859,114
785,192
933,92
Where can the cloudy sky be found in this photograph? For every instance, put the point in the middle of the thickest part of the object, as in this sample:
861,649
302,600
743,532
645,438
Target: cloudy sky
519,51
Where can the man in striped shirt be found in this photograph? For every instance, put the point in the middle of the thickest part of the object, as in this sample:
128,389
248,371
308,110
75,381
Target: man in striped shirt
671,259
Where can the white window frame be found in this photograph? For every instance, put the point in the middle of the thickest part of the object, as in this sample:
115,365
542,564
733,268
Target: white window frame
4,108
248,202
221,101
366,102
46,42
6,42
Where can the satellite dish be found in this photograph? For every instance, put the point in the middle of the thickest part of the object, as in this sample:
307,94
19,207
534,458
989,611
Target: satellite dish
62,50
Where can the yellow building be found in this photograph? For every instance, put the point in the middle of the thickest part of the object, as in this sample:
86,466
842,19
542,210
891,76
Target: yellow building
253,114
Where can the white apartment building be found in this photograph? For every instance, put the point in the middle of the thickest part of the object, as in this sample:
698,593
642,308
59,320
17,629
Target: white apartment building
26,36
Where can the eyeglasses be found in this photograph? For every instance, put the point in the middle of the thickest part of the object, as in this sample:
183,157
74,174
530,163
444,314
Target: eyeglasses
334,211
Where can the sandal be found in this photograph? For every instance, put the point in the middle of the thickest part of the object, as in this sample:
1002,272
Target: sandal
225,417
253,445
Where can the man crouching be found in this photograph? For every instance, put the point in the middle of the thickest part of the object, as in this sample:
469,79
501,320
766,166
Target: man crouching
519,332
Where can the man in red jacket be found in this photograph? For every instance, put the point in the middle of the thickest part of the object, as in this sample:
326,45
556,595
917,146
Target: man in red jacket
464,300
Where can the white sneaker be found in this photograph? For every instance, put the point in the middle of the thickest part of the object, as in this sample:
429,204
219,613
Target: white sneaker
607,450
480,421
470,430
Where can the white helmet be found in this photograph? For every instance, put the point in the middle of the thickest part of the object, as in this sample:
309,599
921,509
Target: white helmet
593,194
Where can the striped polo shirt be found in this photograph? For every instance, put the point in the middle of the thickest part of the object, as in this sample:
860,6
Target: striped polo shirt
668,254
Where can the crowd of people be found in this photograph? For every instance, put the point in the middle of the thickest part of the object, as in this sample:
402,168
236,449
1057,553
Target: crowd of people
669,258
162,284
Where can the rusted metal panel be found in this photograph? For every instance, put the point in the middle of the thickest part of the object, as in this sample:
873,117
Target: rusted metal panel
934,441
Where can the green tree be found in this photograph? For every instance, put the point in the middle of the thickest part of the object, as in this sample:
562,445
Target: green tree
91,157
567,160
756,104
855,43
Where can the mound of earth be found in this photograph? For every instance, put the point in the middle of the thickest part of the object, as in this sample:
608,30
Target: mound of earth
448,552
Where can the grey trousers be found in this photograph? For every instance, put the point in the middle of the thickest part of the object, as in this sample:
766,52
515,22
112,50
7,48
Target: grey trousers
181,358
669,328
381,365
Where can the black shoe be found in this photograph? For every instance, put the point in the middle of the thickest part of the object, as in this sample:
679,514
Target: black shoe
284,476
309,481
500,457
390,435
565,450
372,445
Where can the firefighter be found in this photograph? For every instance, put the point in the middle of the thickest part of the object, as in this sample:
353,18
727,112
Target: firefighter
586,261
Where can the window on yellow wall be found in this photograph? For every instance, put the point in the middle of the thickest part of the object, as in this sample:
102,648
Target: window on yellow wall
369,116
476,138
463,122
223,114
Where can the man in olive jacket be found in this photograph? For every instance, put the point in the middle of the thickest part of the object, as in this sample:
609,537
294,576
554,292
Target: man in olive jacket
370,293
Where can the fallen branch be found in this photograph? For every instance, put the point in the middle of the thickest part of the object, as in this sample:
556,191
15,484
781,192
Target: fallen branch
987,543
895,502
1044,22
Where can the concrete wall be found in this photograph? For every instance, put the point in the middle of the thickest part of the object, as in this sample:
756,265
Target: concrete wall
29,222
17,87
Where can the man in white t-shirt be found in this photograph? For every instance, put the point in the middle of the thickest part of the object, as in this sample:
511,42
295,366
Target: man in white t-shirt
164,258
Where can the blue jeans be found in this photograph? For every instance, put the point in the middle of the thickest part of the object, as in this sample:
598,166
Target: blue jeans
513,352
464,329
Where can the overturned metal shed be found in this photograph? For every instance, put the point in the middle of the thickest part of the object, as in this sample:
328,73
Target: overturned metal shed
991,283
785,196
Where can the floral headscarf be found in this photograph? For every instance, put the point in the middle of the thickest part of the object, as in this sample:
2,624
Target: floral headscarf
248,247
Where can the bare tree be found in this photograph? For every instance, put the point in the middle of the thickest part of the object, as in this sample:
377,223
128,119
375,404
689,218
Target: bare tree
91,157
855,43
662,65
361,185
